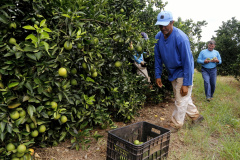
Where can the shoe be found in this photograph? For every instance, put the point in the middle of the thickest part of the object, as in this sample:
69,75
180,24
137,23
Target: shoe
208,99
198,120
173,129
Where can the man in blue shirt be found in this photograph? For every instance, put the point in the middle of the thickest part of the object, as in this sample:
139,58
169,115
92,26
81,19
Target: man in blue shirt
209,58
173,50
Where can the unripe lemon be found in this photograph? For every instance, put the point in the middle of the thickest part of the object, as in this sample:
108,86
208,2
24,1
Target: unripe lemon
118,64
54,105
21,148
12,41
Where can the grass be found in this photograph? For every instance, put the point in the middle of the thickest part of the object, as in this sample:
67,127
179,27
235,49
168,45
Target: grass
218,136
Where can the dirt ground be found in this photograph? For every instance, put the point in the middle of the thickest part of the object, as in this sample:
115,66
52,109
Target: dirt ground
156,114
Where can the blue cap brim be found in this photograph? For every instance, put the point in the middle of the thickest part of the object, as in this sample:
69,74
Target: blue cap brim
162,23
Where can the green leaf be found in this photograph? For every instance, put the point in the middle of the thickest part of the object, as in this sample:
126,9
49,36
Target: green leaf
47,29
13,84
44,35
66,15
60,96
28,27
46,45
3,124
37,81
42,22
28,85
38,55
31,109
32,56
33,38
18,55
3,19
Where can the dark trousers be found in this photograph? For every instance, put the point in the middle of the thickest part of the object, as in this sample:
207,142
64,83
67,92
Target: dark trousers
210,79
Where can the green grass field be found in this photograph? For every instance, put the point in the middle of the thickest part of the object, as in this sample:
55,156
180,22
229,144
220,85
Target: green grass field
218,136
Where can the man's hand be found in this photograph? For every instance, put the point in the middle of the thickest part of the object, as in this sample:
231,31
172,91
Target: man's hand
184,90
215,60
207,60
159,82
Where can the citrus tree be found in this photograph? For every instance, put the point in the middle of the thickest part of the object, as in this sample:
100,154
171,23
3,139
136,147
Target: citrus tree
66,65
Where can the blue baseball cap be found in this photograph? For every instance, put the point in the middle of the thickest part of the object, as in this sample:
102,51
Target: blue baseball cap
164,18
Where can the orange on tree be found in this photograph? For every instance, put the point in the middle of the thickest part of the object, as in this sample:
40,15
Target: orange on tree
84,65
121,10
73,71
22,113
12,41
19,155
74,82
12,25
21,148
42,129
14,115
68,45
31,151
57,116
118,64
139,48
54,104
34,133
10,147
94,74
63,119
62,71
32,125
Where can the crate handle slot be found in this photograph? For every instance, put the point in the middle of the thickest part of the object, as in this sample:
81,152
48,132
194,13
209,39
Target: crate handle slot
157,131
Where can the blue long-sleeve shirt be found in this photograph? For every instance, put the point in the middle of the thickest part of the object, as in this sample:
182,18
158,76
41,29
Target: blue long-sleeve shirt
204,54
175,53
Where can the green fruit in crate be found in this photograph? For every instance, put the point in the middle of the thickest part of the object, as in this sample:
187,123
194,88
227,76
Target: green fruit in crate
136,142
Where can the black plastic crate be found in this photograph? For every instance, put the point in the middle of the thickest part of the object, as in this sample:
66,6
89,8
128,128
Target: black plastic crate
155,142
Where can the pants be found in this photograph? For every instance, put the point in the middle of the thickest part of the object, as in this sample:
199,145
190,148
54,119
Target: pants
142,71
210,79
183,105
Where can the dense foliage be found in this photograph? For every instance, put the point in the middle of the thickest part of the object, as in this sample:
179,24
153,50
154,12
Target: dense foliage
228,40
66,65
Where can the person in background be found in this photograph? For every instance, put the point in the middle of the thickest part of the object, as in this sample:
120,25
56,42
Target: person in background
209,58
173,50
140,63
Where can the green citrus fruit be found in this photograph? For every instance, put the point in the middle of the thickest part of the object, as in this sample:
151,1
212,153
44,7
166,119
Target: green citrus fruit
62,72
94,74
116,38
14,115
58,115
130,48
13,25
19,155
64,119
29,120
68,45
118,64
33,19
48,103
121,10
36,22
34,133
73,70
84,65
136,142
79,46
49,113
74,82
54,105
42,129
15,158
93,69
12,41
32,125
139,48
21,148
22,113
10,147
